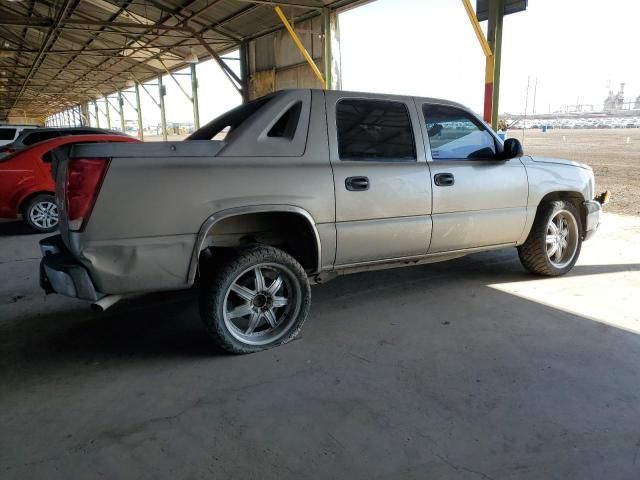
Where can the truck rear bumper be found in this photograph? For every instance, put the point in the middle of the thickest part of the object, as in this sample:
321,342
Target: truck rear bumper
63,274
592,214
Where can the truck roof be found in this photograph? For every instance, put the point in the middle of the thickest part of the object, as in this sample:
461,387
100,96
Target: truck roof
441,101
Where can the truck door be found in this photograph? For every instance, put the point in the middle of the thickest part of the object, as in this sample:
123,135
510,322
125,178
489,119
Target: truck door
478,200
382,184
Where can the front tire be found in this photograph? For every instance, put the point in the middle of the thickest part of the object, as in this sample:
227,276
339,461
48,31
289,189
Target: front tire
259,298
41,213
555,240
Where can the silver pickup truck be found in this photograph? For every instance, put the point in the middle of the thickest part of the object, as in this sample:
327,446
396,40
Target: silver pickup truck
295,188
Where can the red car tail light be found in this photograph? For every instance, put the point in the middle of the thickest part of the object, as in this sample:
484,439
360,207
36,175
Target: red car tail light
84,178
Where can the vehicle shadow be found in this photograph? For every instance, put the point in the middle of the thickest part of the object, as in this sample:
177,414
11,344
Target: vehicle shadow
166,326
149,326
14,227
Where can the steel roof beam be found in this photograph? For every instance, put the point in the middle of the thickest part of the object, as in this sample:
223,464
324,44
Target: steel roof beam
45,44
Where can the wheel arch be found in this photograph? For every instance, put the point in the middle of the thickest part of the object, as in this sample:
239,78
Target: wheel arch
26,198
221,229
577,198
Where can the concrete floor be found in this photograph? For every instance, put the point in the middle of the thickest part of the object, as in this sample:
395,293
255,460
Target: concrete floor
470,369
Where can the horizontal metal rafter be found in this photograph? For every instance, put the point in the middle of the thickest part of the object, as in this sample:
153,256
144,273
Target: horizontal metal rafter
74,55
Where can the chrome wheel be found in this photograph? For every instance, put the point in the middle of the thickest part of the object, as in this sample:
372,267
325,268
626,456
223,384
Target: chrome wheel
562,238
44,215
261,304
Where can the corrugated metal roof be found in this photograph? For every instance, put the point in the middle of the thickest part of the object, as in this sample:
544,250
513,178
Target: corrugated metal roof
58,53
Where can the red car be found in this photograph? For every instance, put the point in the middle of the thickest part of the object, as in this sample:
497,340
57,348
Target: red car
27,186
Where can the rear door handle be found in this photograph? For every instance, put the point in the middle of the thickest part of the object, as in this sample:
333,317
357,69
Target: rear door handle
444,179
357,184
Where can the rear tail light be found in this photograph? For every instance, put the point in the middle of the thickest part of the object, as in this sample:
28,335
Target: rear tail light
84,178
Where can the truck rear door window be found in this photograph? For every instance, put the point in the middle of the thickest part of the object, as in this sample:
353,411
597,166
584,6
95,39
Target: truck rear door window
374,130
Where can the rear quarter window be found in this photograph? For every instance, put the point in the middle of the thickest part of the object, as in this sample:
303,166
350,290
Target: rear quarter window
219,128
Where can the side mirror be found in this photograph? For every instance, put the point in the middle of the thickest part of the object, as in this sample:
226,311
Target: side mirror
512,149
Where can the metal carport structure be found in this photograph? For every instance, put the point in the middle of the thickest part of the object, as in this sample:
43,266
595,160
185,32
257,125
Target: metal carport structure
59,55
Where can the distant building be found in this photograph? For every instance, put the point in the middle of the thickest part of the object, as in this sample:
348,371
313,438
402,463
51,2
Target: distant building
610,101
615,101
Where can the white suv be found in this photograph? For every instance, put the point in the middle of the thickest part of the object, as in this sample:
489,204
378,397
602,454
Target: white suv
8,133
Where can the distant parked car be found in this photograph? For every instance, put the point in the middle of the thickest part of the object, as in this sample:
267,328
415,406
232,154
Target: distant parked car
8,133
27,186
36,135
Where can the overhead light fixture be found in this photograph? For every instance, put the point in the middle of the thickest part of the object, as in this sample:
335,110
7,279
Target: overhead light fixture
130,82
192,57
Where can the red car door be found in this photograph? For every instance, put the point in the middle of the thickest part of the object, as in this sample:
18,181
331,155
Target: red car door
17,176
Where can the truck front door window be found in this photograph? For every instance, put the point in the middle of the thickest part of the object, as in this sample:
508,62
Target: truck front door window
454,134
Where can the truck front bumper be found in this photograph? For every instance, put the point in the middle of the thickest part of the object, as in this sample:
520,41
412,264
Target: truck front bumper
63,274
592,211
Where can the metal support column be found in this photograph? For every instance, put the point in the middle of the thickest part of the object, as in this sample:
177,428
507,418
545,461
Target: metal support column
97,113
163,116
327,55
86,121
121,110
244,70
497,15
139,112
487,48
106,107
194,97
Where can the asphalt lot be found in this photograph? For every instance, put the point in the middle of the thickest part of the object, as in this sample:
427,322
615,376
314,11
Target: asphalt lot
470,369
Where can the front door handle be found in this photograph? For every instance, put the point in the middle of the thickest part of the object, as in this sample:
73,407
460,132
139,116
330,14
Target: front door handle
357,184
444,179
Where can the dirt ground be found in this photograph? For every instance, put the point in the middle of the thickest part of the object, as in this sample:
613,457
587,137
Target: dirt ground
614,155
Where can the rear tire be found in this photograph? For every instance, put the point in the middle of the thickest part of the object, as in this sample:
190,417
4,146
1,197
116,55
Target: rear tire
257,299
41,213
555,240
